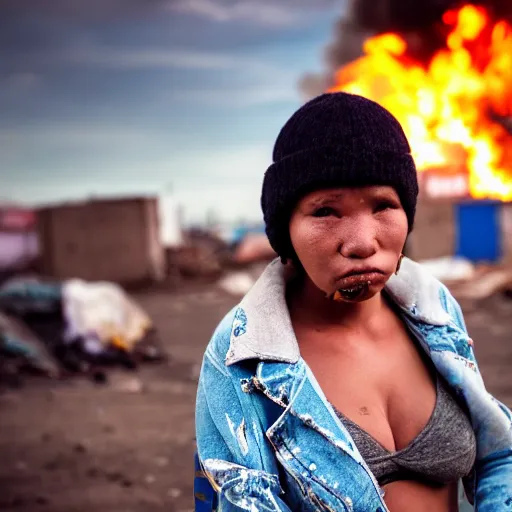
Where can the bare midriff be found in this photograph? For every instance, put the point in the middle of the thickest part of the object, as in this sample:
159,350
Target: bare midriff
405,496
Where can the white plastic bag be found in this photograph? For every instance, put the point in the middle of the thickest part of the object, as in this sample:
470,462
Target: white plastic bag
102,311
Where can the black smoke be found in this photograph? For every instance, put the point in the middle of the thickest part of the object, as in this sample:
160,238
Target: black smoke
418,21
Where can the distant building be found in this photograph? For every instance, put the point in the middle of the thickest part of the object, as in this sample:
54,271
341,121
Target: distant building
434,233
102,239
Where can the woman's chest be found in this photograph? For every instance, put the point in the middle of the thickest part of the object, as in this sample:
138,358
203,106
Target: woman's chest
385,387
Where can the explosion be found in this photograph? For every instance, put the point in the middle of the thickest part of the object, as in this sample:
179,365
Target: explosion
454,108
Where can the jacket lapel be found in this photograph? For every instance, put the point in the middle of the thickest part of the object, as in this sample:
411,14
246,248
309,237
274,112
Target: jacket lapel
310,439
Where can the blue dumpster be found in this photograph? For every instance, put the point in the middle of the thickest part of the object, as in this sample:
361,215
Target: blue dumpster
478,231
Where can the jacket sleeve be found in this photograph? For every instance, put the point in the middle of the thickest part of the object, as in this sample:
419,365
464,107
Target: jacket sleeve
230,446
491,484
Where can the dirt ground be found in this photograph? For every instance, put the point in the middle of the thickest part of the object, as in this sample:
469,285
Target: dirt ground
127,445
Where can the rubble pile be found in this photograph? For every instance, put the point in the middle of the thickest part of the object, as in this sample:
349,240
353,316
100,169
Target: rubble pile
206,255
202,255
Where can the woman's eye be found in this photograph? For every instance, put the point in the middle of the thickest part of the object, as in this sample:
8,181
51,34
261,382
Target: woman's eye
325,211
384,205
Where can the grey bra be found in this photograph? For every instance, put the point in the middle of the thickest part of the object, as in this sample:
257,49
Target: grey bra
443,451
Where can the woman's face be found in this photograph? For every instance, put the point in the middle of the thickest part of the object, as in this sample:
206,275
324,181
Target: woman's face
349,239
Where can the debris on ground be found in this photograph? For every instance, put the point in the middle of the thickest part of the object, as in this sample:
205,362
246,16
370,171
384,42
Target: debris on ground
102,314
22,349
29,294
203,255
194,262
470,281
69,327
486,282
450,268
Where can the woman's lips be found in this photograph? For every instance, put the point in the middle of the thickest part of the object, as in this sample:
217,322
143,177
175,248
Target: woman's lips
356,280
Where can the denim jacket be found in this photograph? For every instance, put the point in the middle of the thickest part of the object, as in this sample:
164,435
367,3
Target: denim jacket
269,440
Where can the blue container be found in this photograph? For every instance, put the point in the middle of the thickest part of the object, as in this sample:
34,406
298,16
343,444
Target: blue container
478,231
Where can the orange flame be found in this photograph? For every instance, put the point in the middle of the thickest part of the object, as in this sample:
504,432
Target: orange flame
448,108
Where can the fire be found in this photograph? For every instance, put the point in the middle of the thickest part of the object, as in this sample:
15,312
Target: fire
451,106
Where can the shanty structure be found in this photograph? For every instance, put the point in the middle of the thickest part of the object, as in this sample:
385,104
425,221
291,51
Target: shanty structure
455,224
102,239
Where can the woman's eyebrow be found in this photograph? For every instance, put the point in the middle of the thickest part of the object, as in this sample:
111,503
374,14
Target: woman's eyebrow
384,195
325,199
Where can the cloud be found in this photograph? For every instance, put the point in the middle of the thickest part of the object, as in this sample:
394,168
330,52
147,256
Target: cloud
267,12
263,12
237,97
72,136
159,58
250,84
108,89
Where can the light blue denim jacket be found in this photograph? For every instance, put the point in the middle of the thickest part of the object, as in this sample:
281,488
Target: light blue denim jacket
267,437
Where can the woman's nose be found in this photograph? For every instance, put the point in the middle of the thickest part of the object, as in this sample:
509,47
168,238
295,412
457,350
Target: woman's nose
358,241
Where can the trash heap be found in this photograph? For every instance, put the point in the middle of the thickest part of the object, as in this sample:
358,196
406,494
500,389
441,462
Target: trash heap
71,327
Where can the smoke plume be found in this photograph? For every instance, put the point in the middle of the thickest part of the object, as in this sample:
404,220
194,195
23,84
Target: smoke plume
419,22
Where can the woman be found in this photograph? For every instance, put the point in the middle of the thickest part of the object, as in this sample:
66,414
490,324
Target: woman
345,379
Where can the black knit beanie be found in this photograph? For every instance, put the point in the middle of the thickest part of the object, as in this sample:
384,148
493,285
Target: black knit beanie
335,140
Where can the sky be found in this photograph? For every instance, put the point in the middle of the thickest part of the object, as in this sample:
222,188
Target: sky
128,97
